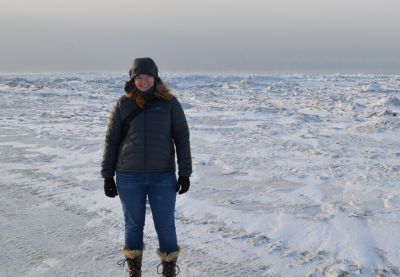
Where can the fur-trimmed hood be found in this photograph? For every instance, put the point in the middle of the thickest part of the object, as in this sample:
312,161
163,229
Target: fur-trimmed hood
162,92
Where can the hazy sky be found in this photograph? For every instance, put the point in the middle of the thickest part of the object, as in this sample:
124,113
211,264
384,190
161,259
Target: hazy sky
272,36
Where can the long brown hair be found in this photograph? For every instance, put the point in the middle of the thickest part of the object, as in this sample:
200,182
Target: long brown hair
162,92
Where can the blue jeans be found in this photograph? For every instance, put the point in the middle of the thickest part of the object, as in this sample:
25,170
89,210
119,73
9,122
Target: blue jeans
160,187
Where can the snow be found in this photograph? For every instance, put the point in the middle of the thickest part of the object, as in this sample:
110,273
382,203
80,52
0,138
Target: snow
294,175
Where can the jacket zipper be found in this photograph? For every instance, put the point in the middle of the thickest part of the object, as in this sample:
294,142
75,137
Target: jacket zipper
145,140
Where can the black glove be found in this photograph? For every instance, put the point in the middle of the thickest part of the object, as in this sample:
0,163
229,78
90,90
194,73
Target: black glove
110,189
183,184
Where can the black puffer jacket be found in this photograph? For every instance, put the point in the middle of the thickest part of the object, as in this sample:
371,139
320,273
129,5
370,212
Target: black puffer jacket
149,145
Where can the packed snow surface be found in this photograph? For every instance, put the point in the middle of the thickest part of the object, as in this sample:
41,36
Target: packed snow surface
294,175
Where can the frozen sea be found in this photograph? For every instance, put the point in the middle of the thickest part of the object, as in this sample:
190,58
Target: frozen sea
294,175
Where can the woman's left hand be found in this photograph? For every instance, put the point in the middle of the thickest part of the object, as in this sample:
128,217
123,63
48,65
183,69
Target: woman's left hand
183,184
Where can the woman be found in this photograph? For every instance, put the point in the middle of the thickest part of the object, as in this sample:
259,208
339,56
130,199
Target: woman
142,154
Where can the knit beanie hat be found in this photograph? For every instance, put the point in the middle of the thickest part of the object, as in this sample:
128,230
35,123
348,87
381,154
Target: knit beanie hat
144,66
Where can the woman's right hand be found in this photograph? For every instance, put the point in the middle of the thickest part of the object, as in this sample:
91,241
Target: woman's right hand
110,188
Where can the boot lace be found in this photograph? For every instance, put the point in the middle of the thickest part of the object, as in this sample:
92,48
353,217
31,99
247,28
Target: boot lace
169,269
134,265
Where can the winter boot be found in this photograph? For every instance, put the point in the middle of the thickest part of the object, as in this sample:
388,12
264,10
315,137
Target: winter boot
168,262
134,260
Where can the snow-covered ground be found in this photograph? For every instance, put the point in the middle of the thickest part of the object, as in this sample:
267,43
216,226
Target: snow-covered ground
293,176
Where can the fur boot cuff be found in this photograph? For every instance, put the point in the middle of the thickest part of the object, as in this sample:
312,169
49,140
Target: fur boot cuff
169,257
131,254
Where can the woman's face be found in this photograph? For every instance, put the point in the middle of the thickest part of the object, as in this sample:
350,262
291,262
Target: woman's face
144,82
